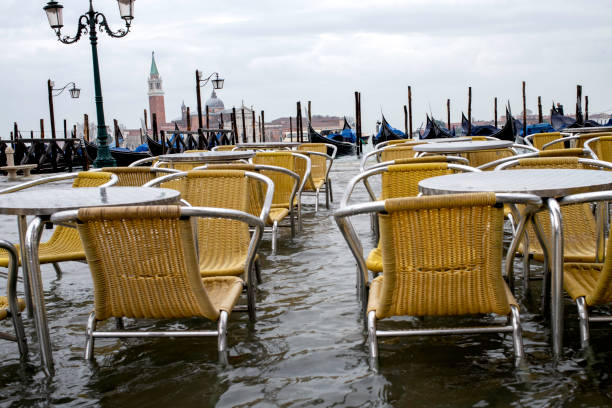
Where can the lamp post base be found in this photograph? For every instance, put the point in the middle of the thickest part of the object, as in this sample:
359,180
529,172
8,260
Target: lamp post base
98,164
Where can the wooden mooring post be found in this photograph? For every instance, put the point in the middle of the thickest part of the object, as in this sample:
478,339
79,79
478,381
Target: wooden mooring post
448,113
540,120
263,127
290,129
524,111
154,119
244,133
495,109
406,120
410,111
579,104
469,129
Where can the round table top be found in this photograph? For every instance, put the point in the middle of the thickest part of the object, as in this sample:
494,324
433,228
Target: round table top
447,139
464,146
544,183
587,129
51,200
205,157
270,145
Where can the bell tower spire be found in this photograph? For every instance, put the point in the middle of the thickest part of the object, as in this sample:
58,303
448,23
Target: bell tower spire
156,94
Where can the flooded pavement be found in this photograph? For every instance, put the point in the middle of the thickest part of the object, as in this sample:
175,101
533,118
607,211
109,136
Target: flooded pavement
307,347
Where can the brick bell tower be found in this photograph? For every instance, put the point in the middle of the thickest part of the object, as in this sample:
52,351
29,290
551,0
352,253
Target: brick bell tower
156,94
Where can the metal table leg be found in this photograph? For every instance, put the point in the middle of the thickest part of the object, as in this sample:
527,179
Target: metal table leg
22,225
556,286
32,239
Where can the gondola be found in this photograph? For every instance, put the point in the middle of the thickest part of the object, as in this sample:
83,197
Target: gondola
347,134
508,132
123,157
476,130
434,131
344,148
387,132
559,121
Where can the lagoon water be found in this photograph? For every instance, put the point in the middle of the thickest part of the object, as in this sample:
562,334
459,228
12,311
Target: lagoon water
307,347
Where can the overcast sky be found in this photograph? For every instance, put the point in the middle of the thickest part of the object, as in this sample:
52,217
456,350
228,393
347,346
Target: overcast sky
274,53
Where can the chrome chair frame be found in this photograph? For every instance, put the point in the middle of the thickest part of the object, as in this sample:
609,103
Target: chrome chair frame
342,216
11,294
534,154
571,137
589,149
142,161
328,192
221,332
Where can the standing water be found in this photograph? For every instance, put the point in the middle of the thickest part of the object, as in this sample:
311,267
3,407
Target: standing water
307,347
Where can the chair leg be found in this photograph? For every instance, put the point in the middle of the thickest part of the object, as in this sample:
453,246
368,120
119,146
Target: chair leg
517,332
583,320
317,200
22,344
258,271
251,300
326,195
58,270
274,235
222,337
372,341
331,196
89,338
119,323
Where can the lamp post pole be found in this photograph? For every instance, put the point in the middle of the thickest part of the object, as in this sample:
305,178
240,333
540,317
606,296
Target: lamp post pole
74,93
217,84
87,24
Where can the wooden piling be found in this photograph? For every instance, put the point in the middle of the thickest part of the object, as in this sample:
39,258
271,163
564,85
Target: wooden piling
579,103
86,125
298,120
201,144
74,131
263,127
42,128
290,129
448,113
65,130
410,111
116,132
235,125
188,120
309,114
524,111
244,134
207,118
16,130
199,99
253,127
357,112
163,138
540,120
586,107
154,119
469,129
495,109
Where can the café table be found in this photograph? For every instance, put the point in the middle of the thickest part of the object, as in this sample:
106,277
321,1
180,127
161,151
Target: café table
42,203
548,184
268,145
461,146
205,157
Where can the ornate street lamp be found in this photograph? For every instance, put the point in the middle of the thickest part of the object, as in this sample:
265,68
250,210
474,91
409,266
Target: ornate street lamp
74,93
87,24
217,83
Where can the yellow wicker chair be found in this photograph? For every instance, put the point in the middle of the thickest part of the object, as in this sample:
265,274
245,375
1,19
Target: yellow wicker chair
64,244
136,176
287,189
227,241
581,238
147,161
144,265
224,148
392,151
196,151
321,163
538,140
422,159
600,148
398,181
442,256
480,157
394,143
589,283
574,141
10,306
257,191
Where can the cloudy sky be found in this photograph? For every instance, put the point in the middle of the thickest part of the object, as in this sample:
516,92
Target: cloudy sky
274,53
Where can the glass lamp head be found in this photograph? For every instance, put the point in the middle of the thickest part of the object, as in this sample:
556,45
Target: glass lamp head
54,14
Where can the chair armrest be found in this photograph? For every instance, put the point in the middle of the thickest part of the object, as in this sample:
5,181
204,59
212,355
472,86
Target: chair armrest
157,181
142,161
40,181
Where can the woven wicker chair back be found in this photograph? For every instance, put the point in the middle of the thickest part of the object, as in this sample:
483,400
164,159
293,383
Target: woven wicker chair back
481,157
225,148
283,184
257,188
131,176
540,139
560,152
222,239
91,179
603,148
402,180
423,159
318,164
579,224
398,152
478,138
587,136
442,256
602,290
143,263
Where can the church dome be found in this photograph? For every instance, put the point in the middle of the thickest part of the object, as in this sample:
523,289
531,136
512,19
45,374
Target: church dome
214,103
